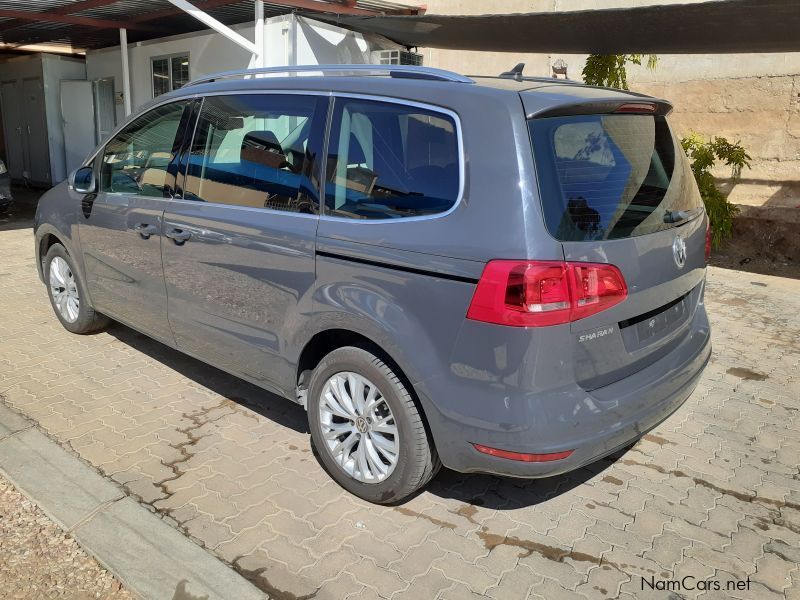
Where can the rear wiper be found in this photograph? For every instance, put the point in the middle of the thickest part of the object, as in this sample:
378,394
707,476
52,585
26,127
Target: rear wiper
679,216
675,216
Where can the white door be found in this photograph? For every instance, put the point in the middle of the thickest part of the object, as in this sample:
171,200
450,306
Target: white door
77,114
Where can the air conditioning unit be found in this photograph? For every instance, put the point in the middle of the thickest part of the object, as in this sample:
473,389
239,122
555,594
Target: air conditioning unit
397,57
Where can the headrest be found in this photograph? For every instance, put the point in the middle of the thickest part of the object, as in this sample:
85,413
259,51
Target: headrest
262,140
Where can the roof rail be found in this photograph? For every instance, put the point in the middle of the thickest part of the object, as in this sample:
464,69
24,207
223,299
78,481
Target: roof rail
396,71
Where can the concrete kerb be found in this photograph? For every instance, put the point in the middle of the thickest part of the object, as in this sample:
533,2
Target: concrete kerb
151,558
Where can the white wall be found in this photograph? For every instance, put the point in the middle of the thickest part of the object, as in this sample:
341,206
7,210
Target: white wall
210,52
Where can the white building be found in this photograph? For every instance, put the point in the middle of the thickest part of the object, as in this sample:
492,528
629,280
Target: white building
159,65
55,109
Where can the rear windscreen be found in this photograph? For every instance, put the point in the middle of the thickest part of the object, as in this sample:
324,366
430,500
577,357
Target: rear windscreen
611,176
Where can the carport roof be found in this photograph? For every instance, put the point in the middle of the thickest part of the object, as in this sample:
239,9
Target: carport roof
91,24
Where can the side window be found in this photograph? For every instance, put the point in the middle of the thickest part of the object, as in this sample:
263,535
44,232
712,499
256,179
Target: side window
389,161
135,161
253,150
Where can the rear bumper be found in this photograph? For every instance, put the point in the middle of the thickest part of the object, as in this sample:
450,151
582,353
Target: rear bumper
591,424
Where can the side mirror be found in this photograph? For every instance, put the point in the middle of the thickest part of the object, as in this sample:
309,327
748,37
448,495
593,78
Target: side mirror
83,181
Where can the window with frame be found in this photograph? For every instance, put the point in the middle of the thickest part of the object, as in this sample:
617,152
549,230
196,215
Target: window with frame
135,161
253,150
390,161
169,73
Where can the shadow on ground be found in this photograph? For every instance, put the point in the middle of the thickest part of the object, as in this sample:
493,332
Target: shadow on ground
22,210
280,410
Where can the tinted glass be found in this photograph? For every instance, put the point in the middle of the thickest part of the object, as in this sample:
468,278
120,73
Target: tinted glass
610,176
135,161
253,150
388,161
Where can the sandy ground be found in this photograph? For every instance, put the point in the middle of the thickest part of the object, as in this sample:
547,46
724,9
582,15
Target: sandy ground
39,560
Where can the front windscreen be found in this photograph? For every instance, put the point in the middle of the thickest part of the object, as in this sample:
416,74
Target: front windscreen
611,176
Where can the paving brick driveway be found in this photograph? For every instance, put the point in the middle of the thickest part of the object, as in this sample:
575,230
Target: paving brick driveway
714,492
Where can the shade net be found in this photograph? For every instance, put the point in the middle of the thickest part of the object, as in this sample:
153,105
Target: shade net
722,26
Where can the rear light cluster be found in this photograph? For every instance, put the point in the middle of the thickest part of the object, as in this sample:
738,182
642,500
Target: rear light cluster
708,240
540,293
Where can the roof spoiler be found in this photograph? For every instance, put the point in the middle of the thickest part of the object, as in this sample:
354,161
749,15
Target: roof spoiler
636,104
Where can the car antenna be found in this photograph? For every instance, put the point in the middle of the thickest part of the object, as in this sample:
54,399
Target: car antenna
515,73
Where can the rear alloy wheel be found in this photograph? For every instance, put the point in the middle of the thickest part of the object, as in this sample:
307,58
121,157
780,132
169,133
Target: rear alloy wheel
358,427
368,431
68,295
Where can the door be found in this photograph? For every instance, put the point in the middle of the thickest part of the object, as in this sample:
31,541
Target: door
121,236
77,114
12,121
104,110
35,131
239,247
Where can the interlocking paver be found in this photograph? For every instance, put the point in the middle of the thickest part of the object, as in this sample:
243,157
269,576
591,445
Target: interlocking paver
384,581
774,572
712,492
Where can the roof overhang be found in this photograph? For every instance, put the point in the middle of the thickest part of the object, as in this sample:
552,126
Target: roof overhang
79,25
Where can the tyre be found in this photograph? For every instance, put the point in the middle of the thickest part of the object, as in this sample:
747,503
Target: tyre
67,293
367,429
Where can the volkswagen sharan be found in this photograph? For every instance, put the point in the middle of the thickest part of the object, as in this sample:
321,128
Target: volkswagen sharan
495,274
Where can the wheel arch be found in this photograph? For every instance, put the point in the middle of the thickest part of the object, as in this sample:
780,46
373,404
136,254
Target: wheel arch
326,341
46,236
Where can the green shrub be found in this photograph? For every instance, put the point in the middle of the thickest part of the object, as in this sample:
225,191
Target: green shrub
609,70
703,155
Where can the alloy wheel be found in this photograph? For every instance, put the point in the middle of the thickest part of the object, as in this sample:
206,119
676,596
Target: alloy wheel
64,289
358,427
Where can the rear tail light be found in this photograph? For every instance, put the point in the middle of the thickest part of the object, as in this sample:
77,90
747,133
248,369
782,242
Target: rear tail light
540,293
708,240
522,456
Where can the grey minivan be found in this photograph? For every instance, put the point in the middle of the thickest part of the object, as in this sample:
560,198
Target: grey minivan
501,275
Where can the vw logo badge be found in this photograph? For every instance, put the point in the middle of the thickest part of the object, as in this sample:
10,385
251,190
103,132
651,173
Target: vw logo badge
679,251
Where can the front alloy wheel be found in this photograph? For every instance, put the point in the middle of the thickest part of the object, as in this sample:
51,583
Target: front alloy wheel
64,290
67,293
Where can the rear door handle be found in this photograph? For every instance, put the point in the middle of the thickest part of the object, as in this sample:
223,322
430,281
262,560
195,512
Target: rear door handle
145,230
179,236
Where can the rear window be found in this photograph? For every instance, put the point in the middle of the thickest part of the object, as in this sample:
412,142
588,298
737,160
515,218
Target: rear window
611,176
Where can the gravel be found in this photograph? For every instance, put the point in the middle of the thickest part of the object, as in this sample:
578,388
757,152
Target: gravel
39,560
